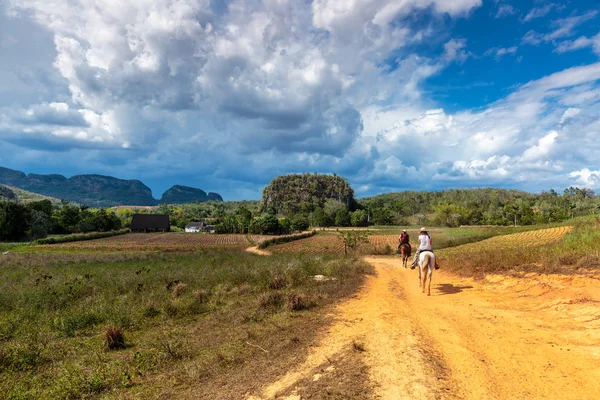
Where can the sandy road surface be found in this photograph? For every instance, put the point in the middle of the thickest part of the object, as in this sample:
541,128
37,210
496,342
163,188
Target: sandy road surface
531,338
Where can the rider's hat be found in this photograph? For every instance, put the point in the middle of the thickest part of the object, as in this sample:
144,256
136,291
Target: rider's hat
404,230
423,229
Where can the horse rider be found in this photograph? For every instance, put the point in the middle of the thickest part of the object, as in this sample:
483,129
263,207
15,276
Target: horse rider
404,238
424,245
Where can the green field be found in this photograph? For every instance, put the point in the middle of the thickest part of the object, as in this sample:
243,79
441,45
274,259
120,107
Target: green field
177,312
201,321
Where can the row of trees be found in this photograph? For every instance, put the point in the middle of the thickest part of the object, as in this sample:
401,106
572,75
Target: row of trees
40,218
480,207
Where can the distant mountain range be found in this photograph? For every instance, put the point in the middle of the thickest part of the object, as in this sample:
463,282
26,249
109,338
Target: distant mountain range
100,190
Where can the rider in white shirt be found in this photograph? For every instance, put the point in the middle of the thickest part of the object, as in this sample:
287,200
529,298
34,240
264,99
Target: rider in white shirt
424,245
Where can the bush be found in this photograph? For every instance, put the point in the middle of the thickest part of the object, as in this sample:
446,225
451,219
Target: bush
285,239
80,237
267,224
299,223
114,338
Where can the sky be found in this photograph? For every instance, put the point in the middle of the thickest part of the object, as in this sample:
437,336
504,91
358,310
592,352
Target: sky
226,95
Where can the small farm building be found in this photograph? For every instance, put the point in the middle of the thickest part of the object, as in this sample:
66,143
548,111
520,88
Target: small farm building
194,227
150,223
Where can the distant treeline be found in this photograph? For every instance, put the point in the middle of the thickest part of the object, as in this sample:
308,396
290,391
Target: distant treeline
295,211
38,219
480,207
443,208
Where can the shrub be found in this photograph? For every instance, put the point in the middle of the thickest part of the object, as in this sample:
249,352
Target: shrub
114,338
298,302
285,239
80,237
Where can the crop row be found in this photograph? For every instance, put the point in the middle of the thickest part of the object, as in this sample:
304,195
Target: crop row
160,241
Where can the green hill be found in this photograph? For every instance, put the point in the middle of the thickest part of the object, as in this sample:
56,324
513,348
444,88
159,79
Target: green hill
22,196
290,194
179,194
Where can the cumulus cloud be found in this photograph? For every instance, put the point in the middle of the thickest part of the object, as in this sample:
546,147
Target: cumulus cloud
247,90
587,178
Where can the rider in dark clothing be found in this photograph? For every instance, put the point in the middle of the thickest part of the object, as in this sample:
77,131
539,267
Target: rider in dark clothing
404,238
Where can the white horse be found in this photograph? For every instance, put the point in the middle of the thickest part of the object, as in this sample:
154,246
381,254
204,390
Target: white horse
426,259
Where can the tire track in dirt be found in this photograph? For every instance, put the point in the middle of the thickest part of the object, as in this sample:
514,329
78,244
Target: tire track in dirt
508,340
535,338
378,320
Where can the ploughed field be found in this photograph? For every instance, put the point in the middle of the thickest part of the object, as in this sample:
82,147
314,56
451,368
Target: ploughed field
164,241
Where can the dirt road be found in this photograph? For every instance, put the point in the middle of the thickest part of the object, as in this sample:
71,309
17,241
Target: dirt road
532,338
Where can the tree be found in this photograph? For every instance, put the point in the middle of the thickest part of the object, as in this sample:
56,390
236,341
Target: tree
39,226
267,224
353,239
319,218
359,218
299,223
15,221
342,218
382,216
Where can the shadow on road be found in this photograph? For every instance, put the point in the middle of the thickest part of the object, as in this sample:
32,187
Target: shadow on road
448,288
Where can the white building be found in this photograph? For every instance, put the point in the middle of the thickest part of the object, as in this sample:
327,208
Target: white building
194,227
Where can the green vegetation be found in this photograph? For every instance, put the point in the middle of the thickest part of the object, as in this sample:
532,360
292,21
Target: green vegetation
11,193
37,219
577,252
285,239
76,325
353,239
479,207
303,193
80,237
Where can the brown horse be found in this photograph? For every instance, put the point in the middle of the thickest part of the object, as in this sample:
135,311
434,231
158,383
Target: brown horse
405,251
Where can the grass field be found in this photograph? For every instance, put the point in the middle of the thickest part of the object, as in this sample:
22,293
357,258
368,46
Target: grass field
186,319
384,240
200,315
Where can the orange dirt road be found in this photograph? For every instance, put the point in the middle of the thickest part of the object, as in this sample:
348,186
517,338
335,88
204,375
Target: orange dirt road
530,338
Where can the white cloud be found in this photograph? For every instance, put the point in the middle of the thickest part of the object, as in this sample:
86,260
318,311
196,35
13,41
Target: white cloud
454,50
563,27
570,113
538,12
505,10
587,178
500,52
256,89
579,43
543,147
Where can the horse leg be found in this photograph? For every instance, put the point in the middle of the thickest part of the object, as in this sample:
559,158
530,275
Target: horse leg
430,273
423,278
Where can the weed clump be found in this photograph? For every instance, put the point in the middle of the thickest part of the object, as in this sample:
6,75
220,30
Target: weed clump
114,339
278,282
299,302
178,289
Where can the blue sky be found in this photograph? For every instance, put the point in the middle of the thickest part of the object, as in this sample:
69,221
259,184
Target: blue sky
226,95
